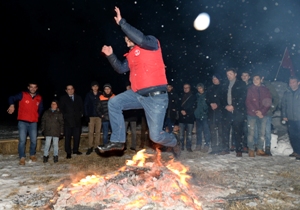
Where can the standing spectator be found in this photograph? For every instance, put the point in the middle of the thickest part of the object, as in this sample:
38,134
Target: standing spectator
71,106
30,109
233,105
201,119
52,127
148,87
258,103
246,78
213,96
172,112
130,117
186,116
102,110
275,102
291,114
90,112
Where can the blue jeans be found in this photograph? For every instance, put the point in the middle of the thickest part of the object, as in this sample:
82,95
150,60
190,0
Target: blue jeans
169,123
155,109
202,126
188,128
31,129
259,124
48,144
268,132
105,127
294,134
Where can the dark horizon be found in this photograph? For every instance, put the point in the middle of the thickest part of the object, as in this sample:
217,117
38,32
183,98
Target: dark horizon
58,43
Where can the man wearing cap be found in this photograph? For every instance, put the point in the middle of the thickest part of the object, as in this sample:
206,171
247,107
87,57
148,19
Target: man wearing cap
213,100
148,87
90,113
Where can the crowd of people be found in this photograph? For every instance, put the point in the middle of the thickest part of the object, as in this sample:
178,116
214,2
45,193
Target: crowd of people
234,109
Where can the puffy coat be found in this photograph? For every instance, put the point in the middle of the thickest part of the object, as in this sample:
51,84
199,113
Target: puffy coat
52,123
102,106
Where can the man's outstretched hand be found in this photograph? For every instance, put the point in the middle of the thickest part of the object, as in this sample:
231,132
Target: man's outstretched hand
118,15
107,50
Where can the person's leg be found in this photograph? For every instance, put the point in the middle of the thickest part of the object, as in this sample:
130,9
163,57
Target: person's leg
22,127
268,131
189,136
92,125
126,128
226,126
68,133
199,129
237,132
32,131
293,135
124,101
55,146
133,134
47,145
105,126
182,134
155,109
251,120
206,132
76,139
261,128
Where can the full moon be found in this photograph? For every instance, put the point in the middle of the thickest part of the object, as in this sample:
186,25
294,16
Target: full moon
202,21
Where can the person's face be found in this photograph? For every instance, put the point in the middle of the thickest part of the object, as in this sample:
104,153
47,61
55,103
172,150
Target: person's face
107,90
95,88
294,84
32,88
231,75
215,81
169,88
70,90
256,80
186,88
129,42
200,90
53,105
245,77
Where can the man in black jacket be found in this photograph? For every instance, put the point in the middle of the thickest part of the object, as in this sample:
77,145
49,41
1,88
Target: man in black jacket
213,100
233,107
71,106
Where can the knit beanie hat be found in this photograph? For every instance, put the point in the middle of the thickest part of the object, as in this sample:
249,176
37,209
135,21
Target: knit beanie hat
107,85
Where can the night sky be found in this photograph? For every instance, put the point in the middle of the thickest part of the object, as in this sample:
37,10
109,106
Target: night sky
56,43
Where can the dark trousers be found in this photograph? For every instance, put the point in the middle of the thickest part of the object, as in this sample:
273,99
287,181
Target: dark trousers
294,134
215,127
69,132
236,121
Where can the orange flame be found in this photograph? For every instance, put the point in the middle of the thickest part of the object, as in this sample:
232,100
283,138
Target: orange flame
138,159
180,170
137,203
60,187
87,180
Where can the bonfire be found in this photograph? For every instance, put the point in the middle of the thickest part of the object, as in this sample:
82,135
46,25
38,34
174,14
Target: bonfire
140,184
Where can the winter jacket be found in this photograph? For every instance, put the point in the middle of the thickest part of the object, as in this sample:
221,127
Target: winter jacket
187,104
144,60
72,110
102,106
213,95
30,108
238,95
201,107
258,99
172,110
290,107
52,123
275,97
90,104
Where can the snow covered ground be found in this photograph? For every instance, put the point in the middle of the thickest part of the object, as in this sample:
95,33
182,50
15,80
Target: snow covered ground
273,181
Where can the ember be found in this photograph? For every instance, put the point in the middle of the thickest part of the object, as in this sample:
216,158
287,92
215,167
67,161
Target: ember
138,185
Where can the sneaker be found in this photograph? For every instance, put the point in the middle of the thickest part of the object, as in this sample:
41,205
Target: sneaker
111,146
22,161
177,148
89,151
33,158
55,159
45,159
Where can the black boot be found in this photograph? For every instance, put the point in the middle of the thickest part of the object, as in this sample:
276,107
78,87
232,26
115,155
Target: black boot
89,151
55,159
268,151
45,159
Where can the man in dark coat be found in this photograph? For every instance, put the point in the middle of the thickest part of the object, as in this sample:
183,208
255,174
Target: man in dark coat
186,116
71,106
233,107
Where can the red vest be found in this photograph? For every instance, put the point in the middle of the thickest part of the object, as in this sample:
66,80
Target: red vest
147,68
28,107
